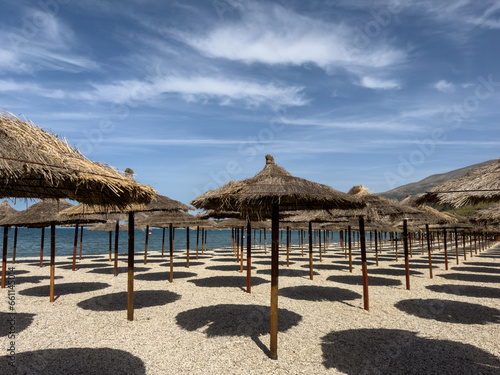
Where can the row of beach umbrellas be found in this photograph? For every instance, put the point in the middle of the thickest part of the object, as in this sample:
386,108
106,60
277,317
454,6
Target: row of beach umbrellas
37,164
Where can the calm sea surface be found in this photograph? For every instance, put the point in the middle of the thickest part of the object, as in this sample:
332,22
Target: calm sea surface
94,243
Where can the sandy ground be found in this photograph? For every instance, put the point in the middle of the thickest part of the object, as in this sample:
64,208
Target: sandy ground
205,323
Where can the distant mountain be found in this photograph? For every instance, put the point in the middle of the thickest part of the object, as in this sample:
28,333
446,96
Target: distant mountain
424,185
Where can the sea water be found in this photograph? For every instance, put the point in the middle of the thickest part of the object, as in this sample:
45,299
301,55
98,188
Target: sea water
97,243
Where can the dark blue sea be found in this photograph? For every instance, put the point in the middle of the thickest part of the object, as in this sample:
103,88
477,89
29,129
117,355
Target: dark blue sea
95,243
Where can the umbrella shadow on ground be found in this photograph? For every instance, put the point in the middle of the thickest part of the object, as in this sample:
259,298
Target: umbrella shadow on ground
354,262
88,257
327,267
412,265
13,323
282,262
74,361
466,290
227,282
288,272
319,293
228,267
83,266
118,301
183,264
449,311
484,264
111,270
164,276
227,259
392,272
63,289
358,280
236,320
391,351
16,272
478,269
34,279
471,277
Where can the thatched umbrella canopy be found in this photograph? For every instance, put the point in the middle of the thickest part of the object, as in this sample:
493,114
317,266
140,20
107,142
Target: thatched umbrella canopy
429,215
272,190
157,203
488,215
110,226
6,210
480,185
37,164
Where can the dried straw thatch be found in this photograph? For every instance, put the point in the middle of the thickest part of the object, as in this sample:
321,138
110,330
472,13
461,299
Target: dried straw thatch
158,203
480,185
110,226
254,196
37,164
429,215
45,212
176,218
488,215
6,210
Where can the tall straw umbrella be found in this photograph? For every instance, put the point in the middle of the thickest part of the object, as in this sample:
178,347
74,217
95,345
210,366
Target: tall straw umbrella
157,203
47,213
5,211
172,219
271,190
37,164
480,185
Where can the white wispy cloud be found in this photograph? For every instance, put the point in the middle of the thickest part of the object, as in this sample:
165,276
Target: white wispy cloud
389,125
379,84
444,86
43,42
272,34
224,90
30,88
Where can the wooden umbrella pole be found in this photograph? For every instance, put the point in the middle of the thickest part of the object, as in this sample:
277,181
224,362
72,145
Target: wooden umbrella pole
319,243
463,245
146,240
288,246
475,242
265,241
130,281
411,244
117,234
203,249
163,243
396,245
429,248
15,246
405,245
197,239
311,272
349,244
456,244
241,249
273,347
74,248
41,246
171,243
249,256
445,246
470,243
302,241
260,238
187,247
237,242
110,245
4,254
203,240
363,262
52,258
81,241
376,248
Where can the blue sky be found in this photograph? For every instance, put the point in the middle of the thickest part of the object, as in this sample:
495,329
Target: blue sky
190,94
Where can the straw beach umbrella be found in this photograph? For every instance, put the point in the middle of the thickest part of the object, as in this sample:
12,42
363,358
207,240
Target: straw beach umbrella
47,213
271,190
5,211
37,164
157,203
480,185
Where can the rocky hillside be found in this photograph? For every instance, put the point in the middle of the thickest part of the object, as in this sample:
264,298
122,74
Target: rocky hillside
422,186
